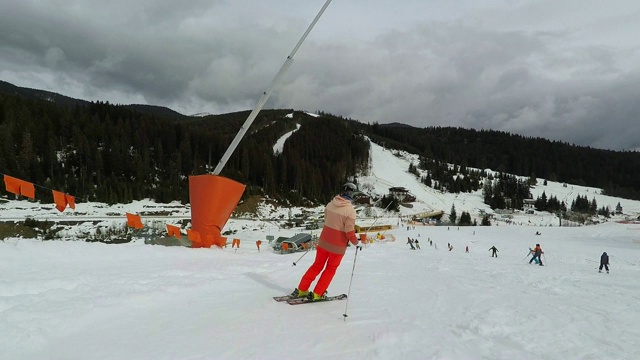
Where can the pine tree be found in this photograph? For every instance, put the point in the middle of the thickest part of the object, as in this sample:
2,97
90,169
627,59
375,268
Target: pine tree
618,209
452,214
465,219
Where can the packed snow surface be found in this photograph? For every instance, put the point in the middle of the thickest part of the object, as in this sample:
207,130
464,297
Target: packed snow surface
78,300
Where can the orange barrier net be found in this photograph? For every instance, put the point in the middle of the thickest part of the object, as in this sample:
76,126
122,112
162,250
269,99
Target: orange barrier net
173,230
19,187
134,221
62,200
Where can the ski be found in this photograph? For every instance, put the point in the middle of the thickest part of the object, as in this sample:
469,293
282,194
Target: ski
283,298
300,301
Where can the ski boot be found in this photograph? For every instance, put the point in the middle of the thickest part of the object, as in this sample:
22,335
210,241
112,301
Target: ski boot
299,293
315,297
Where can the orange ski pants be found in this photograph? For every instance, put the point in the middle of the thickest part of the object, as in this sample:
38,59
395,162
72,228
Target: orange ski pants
324,260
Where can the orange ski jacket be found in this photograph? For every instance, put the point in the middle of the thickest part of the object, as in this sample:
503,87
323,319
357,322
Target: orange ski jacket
339,226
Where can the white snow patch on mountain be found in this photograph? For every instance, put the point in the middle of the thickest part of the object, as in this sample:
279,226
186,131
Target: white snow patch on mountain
277,148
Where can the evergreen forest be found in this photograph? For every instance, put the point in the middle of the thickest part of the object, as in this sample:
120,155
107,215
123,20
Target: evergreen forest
114,153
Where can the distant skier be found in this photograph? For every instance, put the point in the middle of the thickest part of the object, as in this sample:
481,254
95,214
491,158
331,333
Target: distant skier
410,242
537,252
466,249
417,244
604,261
450,246
494,251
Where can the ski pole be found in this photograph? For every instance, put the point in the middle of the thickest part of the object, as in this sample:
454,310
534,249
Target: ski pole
350,281
305,253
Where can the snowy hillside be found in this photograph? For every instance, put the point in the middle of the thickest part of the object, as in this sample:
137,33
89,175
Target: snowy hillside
390,170
78,300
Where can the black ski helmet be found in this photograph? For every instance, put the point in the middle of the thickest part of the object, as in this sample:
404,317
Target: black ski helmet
349,190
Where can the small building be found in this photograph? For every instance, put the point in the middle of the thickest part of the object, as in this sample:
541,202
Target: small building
298,242
503,211
402,194
364,228
428,214
528,204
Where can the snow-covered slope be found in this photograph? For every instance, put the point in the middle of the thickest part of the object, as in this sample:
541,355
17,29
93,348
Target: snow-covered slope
390,168
77,300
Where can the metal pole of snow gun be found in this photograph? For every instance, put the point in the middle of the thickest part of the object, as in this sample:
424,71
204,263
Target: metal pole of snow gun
265,95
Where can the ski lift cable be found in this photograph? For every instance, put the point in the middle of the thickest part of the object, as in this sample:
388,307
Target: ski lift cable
252,116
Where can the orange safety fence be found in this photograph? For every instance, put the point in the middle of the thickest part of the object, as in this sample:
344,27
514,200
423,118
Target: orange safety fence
173,230
213,199
134,221
209,216
19,187
62,200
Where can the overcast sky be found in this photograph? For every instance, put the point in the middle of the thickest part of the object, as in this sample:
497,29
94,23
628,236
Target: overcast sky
564,70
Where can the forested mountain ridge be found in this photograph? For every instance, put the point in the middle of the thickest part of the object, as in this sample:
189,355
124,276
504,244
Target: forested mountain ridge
118,153
28,93
114,153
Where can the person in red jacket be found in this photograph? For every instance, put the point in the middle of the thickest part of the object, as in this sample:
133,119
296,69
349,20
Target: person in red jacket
338,231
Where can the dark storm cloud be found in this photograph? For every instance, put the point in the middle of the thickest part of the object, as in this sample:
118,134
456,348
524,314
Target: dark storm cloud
161,52
566,73
455,75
